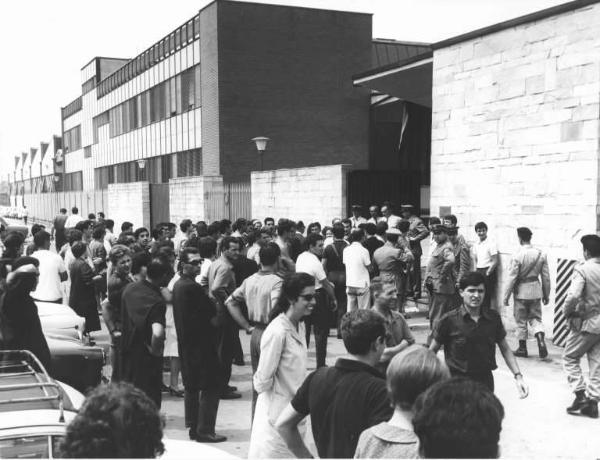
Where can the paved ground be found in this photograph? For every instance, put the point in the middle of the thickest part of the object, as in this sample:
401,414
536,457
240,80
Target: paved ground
536,427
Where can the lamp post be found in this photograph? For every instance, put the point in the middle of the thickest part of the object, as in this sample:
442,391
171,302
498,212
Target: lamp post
261,146
142,165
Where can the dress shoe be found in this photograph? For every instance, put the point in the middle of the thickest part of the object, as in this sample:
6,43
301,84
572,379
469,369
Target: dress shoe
239,362
209,437
521,352
176,392
541,345
164,388
231,388
230,395
590,409
579,402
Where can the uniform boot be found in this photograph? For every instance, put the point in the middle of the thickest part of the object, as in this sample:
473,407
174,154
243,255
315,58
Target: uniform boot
590,409
541,345
579,402
521,352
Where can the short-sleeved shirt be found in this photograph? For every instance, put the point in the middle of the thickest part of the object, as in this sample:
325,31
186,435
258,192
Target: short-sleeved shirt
309,263
469,346
356,259
484,250
260,292
342,401
51,266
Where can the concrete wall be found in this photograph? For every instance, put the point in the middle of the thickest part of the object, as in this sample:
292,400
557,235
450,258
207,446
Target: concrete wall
129,202
308,194
286,73
196,198
515,132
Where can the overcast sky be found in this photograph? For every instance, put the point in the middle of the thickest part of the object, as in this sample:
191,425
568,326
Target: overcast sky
45,43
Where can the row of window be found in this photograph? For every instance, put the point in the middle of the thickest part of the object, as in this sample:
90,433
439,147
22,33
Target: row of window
88,85
72,139
45,184
71,108
169,98
156,170
156,53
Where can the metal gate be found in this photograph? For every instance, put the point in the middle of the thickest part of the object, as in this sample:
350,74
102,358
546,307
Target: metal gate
159,204
238,200
374,187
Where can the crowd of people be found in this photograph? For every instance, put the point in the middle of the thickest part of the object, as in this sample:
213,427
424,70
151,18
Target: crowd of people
183,293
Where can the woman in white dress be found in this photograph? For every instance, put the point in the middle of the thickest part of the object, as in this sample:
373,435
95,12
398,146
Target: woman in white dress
281,366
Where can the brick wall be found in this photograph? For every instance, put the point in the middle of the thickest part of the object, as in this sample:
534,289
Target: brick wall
307,194
286,73
129,202
196,198
515,132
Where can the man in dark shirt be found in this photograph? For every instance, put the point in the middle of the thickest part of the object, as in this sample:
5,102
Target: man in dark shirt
372,242
469,336
343,400
143,329
336,271
58,229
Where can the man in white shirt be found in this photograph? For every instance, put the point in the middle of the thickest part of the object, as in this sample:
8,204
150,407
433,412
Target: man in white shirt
374,213
52,270
74,218
486,262
308,262
389,216
358,263
356,218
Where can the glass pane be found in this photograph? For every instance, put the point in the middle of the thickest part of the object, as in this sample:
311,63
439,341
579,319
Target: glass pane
197,89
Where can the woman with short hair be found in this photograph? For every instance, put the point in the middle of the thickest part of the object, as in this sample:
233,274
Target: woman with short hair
282,365
409,374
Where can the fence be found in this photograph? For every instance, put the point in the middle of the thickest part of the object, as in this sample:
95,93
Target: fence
43,207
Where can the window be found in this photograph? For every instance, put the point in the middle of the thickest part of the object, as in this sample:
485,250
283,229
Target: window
72,139
187,93
99,121
189,163
173,97
87,152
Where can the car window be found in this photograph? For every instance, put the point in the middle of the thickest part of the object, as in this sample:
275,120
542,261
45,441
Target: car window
25,447
56,440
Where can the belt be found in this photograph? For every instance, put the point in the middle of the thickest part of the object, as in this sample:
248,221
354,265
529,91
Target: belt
529,279
257,324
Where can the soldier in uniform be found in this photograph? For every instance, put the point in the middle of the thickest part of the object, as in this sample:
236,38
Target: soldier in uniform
582,310
417,232
528,265
356,218
440,276
391,259
462,259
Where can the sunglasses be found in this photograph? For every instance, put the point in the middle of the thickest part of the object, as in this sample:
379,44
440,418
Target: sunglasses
307,297
195,262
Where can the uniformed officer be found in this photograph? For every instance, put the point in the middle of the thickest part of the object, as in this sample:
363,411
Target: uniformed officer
392,259
582,310
439,275
417,232
527,266
356,218
462,258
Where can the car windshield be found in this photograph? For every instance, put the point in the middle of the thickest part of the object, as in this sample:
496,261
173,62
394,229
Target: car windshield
25,447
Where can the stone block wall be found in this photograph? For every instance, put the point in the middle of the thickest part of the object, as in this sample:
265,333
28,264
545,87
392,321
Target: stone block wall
515,132
196,198
308,194
129,202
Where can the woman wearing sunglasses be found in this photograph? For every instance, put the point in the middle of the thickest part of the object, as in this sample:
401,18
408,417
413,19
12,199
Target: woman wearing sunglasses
282,365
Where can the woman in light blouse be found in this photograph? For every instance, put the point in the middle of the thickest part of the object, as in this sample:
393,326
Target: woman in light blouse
282,365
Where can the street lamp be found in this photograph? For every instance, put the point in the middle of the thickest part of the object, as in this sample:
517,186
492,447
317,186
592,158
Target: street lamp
142,166
141,163
261,146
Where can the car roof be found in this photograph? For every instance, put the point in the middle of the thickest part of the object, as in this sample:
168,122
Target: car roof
45,421
177,448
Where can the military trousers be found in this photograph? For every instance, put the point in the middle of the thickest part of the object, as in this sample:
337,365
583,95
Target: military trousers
528,311
580,344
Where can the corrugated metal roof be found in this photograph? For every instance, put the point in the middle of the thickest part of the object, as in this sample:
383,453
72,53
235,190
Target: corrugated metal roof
387,52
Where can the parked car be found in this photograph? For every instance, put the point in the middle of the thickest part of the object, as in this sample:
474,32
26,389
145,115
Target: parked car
34,409
74,361
10,227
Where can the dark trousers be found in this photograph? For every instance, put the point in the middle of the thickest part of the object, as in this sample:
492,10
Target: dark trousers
115,358
490,287
59,239
414,283
339,290
319,320
201,408
226,350
485,378
254,356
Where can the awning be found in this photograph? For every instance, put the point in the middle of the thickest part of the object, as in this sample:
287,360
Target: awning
410,80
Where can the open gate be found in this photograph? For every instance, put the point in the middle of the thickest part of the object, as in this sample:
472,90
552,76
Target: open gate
159,204
374,187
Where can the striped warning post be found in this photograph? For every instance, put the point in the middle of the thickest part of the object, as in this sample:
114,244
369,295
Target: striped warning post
564,272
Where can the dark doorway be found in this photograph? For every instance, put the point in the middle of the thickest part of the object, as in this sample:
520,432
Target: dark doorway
159,204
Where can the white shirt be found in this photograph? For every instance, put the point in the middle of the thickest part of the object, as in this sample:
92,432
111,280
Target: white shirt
356,258
392,221
309,263
253,253
484,250
51,266
73,220
202,278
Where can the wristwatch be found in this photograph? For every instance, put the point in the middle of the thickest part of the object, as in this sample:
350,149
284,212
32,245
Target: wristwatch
518,374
